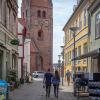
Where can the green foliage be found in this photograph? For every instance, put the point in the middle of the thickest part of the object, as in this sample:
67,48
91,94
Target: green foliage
12,76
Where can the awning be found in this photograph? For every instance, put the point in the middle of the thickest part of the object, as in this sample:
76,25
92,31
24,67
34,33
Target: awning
89,54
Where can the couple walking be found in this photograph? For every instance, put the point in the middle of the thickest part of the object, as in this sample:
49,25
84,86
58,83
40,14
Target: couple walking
49,79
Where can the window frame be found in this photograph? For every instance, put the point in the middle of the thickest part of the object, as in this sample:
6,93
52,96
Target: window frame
39,13
79,50
96,37
40,35
44,14
85,16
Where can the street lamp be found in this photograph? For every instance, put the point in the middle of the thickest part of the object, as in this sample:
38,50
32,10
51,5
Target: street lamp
59,62
74,29
62,68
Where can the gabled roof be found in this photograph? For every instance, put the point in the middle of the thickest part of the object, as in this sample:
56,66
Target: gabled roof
81,1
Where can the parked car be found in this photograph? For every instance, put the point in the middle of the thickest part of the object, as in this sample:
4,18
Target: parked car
38,74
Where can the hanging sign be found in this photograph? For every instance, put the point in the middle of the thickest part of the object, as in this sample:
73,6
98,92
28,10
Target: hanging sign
14,42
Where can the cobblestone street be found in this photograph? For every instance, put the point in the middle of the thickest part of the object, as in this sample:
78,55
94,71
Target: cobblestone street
35,91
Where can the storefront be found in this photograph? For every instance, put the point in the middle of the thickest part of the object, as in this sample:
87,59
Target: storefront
93,60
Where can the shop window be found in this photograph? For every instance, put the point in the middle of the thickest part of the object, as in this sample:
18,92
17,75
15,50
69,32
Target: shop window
39,13
97,26
44,14
13,61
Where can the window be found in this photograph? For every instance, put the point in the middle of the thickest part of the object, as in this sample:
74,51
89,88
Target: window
0,10
75,52
97,26
72,53
40,35
85,14
39,13
26,13
9,18
80,22
85,48
4,15
44,14
79,50
76,23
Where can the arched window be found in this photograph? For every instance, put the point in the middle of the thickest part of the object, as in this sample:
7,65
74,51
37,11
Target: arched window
44,14
40,35
39,13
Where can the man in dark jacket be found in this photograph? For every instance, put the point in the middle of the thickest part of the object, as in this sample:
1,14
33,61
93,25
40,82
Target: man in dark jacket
47,81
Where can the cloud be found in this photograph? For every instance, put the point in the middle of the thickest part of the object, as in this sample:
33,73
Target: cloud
19,9
62,11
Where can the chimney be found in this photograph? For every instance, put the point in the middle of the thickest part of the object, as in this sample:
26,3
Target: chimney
74,7
78,1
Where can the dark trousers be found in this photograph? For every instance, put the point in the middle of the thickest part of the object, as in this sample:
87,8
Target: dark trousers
48,88
56,90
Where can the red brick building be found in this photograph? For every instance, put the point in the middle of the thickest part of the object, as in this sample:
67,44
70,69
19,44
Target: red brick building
39,22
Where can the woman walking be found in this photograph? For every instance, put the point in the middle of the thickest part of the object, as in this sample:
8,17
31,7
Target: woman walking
55,82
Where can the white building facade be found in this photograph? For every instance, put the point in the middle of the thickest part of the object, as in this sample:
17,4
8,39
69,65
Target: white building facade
27,49
20,49
8,51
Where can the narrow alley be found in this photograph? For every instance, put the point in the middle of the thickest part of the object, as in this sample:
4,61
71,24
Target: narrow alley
35,91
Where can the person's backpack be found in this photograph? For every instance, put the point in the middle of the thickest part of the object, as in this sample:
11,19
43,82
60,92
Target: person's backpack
55,81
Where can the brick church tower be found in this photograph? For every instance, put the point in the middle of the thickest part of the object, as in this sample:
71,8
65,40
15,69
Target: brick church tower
38,16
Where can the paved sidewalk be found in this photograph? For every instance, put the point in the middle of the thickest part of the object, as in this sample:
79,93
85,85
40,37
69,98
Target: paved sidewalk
35,91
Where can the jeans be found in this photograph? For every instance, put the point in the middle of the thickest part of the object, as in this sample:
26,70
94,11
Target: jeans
56,89
48,88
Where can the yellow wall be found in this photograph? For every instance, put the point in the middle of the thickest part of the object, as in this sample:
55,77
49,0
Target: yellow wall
81,35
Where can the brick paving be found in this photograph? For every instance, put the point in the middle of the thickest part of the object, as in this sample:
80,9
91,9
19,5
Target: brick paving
35,91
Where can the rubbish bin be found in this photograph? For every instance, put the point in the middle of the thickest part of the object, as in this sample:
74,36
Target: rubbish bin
4,91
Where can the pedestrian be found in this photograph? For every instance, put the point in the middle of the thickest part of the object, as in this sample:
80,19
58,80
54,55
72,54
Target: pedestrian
68,76
55,82
47,81
30,78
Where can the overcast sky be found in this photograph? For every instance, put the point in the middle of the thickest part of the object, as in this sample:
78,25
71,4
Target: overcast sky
62,10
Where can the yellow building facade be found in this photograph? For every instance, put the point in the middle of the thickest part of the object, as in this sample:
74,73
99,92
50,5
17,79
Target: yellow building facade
79,19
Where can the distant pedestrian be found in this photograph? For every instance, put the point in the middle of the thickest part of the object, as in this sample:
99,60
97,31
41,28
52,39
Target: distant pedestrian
55,82
30,78
68,76
47,81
